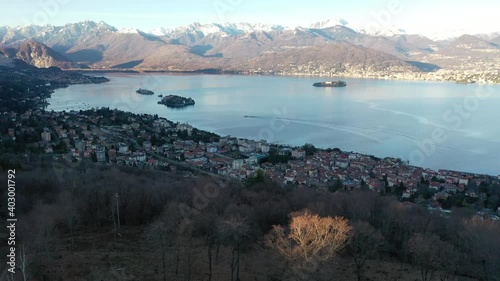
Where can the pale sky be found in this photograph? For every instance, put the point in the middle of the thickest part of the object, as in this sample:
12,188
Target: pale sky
423,16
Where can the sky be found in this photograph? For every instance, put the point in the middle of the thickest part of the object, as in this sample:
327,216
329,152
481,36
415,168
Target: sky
423,17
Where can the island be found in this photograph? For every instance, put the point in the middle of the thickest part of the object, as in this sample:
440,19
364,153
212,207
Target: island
330,84
145,92
176,101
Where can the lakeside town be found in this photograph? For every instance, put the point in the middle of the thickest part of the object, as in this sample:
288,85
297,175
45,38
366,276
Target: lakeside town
113,137
491,77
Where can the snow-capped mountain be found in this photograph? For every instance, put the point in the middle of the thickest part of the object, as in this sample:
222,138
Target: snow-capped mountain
69,33
63,36
225,29
159,31
130,30
329,23
383,31
232,45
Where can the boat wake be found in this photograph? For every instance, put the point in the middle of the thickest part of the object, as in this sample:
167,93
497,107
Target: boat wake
362,131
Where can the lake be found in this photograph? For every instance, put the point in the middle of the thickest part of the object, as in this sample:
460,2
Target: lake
431,124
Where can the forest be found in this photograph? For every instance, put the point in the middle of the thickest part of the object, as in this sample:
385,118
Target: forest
88,222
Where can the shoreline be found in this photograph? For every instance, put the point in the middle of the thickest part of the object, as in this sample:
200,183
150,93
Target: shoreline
425,77
320,148
212,130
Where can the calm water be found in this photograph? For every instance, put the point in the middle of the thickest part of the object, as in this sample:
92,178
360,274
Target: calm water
431,124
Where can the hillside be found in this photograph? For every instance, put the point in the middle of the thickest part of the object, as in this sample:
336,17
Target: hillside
40,55
67,209
467,53
245,47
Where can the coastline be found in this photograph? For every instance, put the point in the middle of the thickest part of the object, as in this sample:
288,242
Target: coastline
320,148
420,77
435,167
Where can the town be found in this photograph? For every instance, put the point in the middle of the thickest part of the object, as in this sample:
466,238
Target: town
113,137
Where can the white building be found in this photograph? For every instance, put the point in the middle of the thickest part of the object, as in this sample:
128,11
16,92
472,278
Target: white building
122,148
265,148
161,123
237,164
185,127
101,153
46,136
299,153
212,148
138,156
463,181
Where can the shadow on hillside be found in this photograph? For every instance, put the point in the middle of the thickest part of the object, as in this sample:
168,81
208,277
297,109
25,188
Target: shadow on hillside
130,64
87,55
201,50
426,67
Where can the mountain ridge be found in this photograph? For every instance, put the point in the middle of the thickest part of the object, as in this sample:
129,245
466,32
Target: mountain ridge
246,47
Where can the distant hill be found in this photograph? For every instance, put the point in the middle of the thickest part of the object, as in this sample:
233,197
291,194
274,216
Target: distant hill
335,58
468,44
467,52
332,44
40,55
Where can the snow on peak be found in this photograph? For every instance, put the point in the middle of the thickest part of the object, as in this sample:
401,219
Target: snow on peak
160,31
386,31
225,29
129,30
329,23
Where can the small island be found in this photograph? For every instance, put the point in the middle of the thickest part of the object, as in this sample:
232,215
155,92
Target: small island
145,92
330,84
176,101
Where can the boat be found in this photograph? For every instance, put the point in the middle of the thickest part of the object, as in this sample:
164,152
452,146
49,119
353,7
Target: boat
338,83
160,96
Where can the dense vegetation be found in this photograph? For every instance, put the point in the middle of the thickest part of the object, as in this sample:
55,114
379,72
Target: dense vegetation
166,227
25,87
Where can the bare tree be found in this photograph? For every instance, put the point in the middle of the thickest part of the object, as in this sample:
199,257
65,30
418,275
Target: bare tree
42,230
365,243
163,232
188,250
69,204
447,264
234,231
423,249
24,262
5,275
309,241
205,226
480,243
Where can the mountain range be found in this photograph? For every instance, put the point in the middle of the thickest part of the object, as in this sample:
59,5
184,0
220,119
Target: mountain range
331,47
